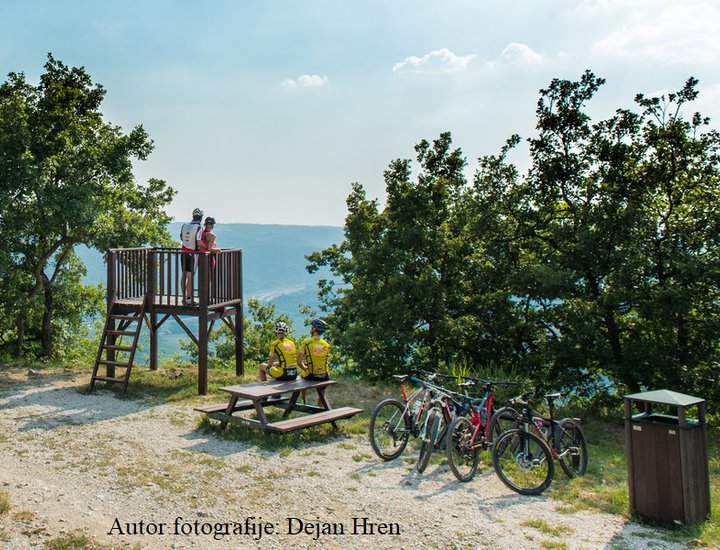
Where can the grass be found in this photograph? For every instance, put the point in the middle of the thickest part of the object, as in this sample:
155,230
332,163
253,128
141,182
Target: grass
604,487
78,540
546,528
4,502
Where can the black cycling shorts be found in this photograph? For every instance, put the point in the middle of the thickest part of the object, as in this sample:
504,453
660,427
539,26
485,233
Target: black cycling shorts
188,261
289,375
318,377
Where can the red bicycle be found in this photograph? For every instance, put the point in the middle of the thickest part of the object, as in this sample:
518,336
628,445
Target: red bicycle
471,434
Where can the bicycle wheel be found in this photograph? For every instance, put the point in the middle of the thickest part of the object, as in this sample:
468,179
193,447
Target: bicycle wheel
432,425
503,419
389,429
462,457
572,448
523,462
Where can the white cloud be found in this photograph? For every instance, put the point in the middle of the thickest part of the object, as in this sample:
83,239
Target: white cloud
520,54
438,61
306,81
683,33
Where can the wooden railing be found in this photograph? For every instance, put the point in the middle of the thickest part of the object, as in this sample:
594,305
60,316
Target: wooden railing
155,274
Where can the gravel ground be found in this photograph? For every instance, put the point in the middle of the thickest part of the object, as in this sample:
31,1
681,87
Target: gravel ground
146,476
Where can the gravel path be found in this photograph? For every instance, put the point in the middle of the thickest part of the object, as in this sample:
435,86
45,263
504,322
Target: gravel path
131,474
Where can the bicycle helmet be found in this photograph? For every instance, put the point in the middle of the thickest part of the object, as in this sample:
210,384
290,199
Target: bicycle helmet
210,220
197,213
281,326
319,324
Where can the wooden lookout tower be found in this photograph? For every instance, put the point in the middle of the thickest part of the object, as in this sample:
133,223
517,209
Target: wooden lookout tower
143,285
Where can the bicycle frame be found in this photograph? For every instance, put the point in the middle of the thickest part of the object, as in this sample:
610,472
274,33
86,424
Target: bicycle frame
530,418
479,437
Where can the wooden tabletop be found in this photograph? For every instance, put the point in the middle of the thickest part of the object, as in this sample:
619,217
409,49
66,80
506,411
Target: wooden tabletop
272,387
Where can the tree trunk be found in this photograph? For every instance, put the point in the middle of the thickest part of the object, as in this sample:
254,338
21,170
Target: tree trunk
46,332
20,336
613,334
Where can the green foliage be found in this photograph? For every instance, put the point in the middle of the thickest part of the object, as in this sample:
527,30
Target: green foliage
258,333
598,265
67,180
409,277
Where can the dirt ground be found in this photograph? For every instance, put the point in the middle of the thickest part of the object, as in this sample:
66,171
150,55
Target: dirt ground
143,476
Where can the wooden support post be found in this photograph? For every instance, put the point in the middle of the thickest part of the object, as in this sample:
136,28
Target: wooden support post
239,328
202,324
111,290
150,288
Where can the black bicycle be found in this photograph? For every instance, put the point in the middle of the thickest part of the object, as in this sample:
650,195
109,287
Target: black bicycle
524,457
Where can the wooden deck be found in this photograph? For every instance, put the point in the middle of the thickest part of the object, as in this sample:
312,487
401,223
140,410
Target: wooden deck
150,280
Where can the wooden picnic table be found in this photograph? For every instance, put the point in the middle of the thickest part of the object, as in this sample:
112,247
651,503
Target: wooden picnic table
274,393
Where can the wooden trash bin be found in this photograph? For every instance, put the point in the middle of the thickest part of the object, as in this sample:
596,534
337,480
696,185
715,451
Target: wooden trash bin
667,458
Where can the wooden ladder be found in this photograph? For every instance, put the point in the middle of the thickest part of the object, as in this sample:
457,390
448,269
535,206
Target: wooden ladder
110,345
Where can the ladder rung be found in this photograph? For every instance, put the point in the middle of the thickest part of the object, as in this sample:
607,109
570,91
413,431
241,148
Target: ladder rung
125,317
117,348
113,363
108,379
121,332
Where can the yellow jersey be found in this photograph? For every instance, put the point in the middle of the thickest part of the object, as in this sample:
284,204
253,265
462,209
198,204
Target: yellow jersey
285,353
316,355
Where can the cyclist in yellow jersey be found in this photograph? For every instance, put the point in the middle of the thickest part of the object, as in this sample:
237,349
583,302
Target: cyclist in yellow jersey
313,355
282,364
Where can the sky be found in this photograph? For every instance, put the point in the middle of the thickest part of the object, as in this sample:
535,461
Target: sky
266,111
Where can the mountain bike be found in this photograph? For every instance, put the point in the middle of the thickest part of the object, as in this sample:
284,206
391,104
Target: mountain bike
524,457
472,433
393,421
445,407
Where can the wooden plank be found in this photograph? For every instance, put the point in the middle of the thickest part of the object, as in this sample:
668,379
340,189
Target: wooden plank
114,363
265,389
108,379
117,348
313,419
237,420
239,406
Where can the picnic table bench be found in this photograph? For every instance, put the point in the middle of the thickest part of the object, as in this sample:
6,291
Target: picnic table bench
273,393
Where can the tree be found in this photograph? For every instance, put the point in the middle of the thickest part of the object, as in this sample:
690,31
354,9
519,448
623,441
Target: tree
600,264
410,277
614,235
258,334
67,180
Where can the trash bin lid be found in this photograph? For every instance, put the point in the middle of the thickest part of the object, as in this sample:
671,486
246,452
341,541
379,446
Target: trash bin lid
666,397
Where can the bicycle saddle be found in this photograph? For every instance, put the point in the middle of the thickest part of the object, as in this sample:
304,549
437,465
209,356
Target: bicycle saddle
400,377
557,395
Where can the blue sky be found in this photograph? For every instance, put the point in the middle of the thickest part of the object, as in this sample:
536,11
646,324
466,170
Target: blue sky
267,111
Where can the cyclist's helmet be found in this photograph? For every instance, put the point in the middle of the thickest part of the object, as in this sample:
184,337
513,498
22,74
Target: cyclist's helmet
210,220
197,213
281,326
319,324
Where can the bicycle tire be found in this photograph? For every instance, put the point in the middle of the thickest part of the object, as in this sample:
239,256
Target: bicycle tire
503,419
462,458
432,425
570,435
389,429
523,462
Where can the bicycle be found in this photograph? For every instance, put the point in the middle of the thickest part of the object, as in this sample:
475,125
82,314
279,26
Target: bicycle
393,421
444,408
524,457
470,434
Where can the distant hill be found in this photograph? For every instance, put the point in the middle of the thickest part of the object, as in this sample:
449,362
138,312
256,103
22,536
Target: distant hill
273,267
